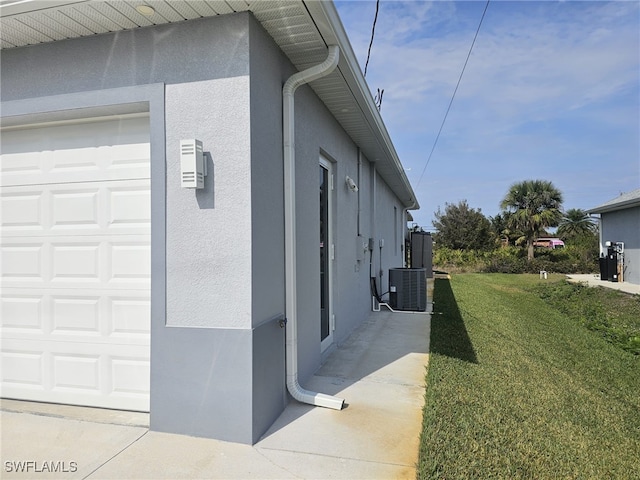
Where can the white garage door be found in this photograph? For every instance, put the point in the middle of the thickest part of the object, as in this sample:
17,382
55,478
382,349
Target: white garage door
75,271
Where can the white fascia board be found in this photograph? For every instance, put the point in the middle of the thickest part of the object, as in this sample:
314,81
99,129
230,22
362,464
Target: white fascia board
626,200
616,207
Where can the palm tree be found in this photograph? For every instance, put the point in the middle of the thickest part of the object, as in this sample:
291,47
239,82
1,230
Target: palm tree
534,205
576,223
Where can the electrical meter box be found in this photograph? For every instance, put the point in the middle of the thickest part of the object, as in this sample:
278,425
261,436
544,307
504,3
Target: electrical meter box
192,166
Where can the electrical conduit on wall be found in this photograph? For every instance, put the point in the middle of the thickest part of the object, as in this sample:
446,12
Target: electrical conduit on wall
288,91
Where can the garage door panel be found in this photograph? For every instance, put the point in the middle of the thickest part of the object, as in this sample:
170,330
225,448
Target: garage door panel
22,211
86,262
17,168
98,316
131,170
22,367
129,206
22,312
130,263
23,263
65,353
130,376
97,151
129,316
76,373
73,315
100,208
76,262
74,207
94,164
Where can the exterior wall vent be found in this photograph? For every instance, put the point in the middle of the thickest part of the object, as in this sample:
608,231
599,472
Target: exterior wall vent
408,289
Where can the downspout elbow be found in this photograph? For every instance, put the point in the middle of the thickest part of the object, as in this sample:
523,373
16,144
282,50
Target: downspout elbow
321,70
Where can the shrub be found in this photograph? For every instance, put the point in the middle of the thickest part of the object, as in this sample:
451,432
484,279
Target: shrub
513,260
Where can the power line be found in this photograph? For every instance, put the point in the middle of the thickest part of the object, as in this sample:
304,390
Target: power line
454,94
373,32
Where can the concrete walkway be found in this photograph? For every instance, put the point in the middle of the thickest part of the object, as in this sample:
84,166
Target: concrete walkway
380,371
594,281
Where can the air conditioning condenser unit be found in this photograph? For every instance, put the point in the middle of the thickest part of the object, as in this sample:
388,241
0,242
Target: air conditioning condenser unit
408,289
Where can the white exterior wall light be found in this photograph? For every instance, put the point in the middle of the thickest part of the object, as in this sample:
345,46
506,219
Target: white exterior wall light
192,164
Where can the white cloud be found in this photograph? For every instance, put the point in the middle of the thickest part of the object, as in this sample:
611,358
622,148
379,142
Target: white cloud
549,86
531,63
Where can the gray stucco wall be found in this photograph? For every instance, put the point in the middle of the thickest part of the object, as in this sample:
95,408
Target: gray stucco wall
209,244
624,226
217,351
316,132
176,53
268,67
202,335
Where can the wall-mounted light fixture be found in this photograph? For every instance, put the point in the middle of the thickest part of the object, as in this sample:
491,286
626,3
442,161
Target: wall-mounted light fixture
351,184
192,164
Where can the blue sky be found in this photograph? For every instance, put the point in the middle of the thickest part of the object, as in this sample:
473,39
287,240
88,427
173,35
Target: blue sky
551,91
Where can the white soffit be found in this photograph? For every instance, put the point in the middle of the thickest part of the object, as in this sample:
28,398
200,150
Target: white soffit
302,29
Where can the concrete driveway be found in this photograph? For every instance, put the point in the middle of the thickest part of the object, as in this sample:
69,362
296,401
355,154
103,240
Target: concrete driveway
594,281
380,371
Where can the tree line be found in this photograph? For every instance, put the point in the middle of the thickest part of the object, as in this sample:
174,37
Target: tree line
529,209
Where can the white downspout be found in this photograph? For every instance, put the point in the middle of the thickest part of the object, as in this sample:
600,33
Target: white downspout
359,219
288,92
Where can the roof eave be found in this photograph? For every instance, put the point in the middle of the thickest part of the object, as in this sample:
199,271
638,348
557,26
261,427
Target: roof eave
329,25
617,206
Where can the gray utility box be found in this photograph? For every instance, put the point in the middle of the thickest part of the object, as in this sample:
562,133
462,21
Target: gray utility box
422,252
408,289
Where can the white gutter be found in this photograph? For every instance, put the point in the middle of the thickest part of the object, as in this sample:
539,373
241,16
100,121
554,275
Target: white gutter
288,114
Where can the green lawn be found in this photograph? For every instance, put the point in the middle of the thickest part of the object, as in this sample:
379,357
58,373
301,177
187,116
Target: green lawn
518,389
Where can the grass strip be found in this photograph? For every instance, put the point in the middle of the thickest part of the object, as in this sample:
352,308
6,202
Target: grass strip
613,315
517,389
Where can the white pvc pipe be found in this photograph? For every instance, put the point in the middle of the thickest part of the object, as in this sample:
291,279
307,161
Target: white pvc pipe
288,114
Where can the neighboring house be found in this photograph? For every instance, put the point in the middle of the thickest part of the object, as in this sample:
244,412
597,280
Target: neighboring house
620,222
122,289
